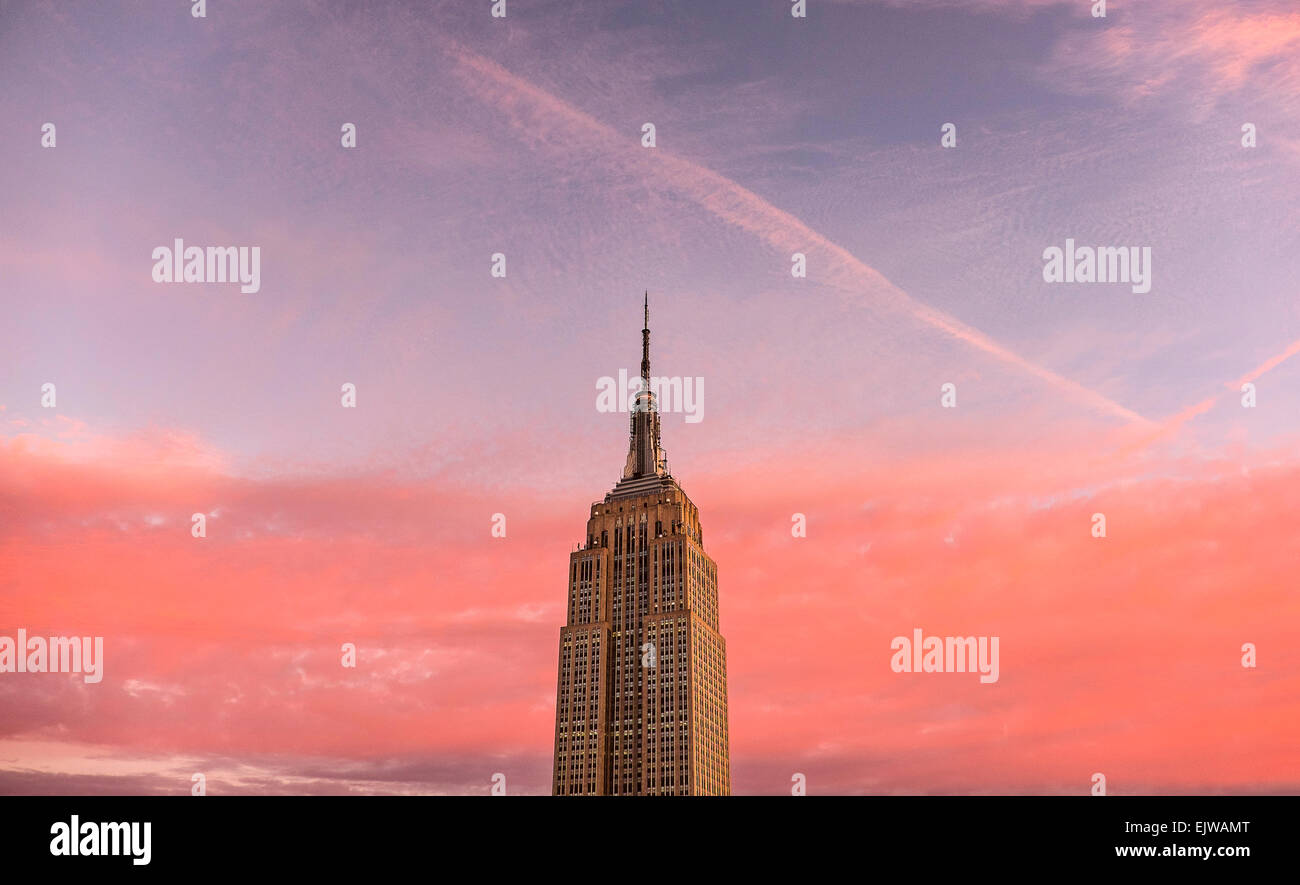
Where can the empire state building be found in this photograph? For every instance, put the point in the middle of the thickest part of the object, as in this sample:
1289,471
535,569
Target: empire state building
641,706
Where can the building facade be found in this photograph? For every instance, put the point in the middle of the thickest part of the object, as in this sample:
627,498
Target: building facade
641,703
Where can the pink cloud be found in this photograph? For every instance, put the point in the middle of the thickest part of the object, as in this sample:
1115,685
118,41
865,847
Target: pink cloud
1208,49
1118,654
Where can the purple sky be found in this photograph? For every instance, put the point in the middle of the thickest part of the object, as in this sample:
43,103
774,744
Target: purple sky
225,130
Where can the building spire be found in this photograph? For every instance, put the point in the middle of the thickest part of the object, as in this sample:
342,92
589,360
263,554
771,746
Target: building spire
645,343
644,455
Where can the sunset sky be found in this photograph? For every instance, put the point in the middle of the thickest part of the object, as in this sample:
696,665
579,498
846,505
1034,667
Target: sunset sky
477,395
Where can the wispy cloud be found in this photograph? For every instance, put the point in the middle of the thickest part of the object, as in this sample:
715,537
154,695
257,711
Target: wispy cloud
539,113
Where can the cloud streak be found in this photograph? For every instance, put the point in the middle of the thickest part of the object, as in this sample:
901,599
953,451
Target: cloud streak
1172,424
548,118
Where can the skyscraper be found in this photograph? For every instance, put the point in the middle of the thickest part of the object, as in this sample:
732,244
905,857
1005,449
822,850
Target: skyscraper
641,706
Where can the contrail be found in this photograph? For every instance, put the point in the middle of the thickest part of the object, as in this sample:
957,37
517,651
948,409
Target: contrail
745,209
1174,422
